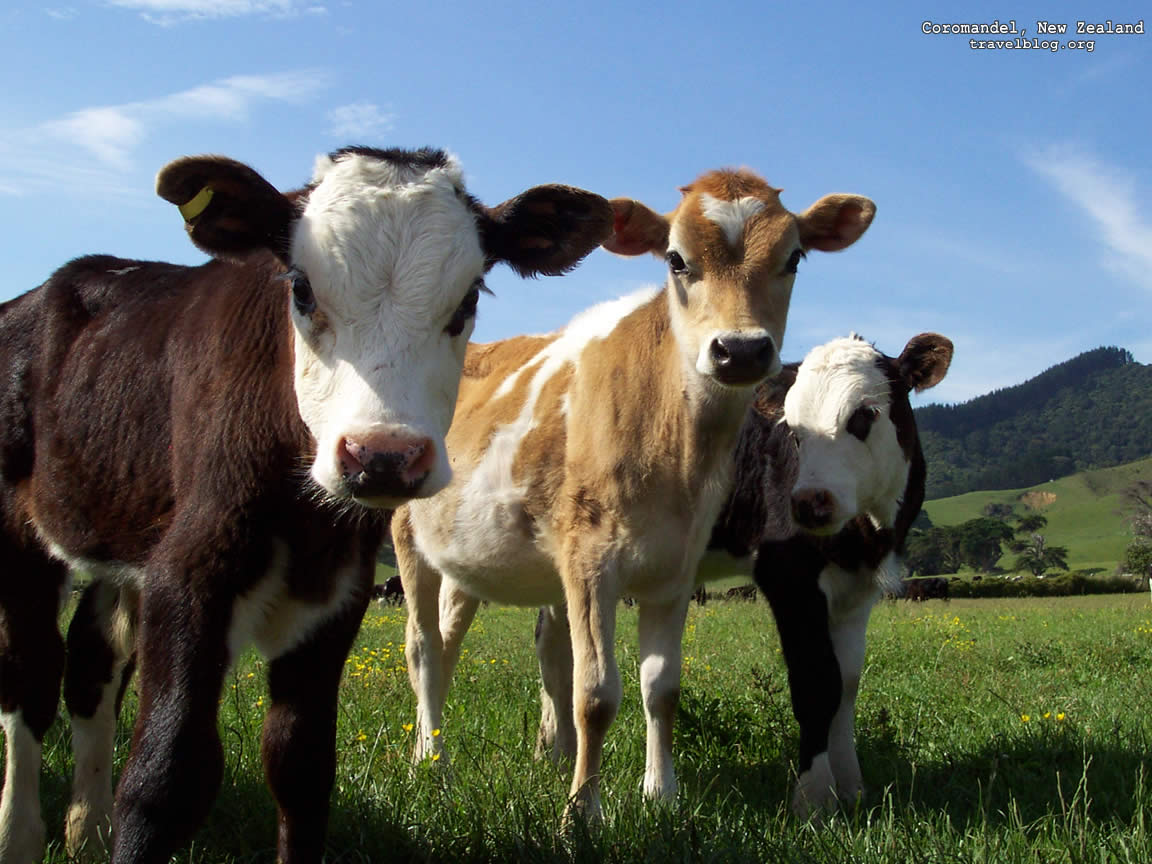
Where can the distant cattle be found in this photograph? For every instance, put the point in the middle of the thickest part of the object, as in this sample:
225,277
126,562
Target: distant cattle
741,592
213,446
925,589
592,462
390,592
829,476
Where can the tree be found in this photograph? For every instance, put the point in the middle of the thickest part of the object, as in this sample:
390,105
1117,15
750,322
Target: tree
1027,524
998,510
1030,523
1037,557
1139,495
933,551
980,542
1138,558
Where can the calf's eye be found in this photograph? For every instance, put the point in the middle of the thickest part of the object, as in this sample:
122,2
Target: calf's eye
676,262
860,423
466,311
794,261
302,296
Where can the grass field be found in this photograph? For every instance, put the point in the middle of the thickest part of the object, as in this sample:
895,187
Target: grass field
991,731
1085,512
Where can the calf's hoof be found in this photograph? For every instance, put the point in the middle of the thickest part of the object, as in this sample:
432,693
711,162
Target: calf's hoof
815,792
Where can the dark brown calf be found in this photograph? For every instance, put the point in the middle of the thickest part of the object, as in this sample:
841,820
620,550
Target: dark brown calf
165,430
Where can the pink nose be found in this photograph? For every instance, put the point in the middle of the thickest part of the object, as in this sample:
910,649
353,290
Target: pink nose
382,464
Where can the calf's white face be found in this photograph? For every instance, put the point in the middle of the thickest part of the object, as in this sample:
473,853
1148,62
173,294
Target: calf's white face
393,256
853,424
385,253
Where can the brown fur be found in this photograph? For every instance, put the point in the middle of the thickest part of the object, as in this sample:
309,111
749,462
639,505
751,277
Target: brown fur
618,490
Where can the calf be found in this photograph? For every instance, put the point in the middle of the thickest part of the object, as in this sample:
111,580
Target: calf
830,476
592,462
213,445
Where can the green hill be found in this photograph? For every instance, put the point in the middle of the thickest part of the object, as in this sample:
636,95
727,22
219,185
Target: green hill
1085,512
1092,411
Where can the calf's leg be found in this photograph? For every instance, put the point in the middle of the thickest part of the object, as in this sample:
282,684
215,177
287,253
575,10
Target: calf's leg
457,610
801,612
176,762
557,735
299,741
661,631
423,644
31,667
101,641
590,592
848,638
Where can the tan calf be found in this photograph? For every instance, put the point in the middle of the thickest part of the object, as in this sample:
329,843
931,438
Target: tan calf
593,461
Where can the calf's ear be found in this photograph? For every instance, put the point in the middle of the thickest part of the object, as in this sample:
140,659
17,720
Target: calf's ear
637,229
925,360
229,210
835,222
546,230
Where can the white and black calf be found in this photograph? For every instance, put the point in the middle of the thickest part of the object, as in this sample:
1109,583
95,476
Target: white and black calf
213,445
829,477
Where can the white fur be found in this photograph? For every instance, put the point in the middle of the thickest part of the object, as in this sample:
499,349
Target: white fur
731,216
815,789
851,597
485,552
390,253
21,826
660,629
88,828
272,619
862,476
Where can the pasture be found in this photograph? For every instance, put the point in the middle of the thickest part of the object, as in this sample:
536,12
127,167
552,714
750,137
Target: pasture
999,731
1086,512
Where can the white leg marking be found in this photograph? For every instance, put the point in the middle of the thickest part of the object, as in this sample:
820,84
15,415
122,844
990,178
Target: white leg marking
848,640
88,828
424,652
851,597
815,789
21,825
661,629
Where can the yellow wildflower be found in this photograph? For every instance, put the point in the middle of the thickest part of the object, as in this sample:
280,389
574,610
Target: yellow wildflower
1024,718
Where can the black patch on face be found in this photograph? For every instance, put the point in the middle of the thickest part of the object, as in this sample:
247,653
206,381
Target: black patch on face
426,158
860,423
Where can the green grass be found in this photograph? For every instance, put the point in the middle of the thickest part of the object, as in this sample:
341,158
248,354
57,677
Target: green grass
1087,514
954,771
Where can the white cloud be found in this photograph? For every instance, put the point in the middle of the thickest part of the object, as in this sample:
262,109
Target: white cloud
62,13
1109,197
166,12
172,10
359,120
109,134
52,153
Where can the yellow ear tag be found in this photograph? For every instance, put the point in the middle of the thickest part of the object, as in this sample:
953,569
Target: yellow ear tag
195,207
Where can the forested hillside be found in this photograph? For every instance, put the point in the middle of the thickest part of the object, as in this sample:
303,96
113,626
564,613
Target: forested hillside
1092,411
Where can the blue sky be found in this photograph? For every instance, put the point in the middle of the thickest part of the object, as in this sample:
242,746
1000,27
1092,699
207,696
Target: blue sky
1013,187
